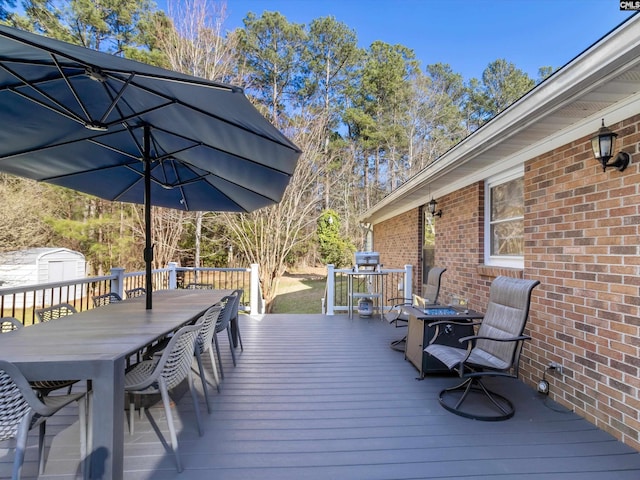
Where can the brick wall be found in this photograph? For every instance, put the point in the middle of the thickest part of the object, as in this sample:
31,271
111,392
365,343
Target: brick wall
399,241
459,245
582,236
582,241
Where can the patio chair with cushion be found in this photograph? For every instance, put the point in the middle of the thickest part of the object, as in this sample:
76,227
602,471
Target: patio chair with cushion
204,343
106,299
55,311
162,373
21,410
493,352
397,314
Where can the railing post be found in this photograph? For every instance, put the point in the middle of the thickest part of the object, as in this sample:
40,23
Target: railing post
173,275
408,281
254,290
330,289
117,284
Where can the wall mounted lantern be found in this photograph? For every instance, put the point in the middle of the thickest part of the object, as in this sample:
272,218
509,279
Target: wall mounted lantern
603,145
433,208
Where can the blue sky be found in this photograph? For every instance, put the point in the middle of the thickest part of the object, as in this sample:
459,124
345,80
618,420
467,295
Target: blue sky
466,34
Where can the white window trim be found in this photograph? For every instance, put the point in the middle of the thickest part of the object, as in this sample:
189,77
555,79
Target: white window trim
499,260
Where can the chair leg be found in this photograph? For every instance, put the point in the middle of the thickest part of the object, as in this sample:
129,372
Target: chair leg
214,367
217,345
238,333
172,430
202,379
196,406
233,353
132,412
475,385
399,345
41,438
21,447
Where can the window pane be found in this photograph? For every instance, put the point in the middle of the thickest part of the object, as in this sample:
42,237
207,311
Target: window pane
507,200
507,238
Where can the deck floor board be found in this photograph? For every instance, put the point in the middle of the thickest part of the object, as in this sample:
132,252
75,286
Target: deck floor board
316,397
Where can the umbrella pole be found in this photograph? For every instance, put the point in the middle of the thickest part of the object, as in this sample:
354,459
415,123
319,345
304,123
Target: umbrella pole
148,249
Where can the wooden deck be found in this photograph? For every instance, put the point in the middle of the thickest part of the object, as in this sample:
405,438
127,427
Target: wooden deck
325,398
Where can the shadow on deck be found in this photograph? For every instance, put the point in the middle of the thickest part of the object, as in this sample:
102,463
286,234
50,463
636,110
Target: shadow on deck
316,397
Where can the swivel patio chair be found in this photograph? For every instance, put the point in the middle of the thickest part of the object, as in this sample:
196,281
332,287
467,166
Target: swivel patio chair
106,299
397,314
55,311
162,373
493,352
136,292
204,343
21,410
229,303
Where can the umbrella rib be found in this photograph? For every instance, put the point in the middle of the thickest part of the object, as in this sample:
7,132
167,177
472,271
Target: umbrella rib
198,143
116,99
63,111
70,87
56,145
213,115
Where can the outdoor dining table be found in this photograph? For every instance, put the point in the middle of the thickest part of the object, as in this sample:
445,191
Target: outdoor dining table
94,345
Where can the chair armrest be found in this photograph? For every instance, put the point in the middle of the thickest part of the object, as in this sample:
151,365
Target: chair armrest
396,301
473,338
437,324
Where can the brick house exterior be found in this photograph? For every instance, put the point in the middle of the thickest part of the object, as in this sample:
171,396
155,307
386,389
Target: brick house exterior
581,238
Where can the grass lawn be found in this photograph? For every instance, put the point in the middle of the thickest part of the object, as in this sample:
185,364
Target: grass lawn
300,293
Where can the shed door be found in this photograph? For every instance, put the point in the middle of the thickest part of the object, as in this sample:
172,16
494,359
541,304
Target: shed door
59,271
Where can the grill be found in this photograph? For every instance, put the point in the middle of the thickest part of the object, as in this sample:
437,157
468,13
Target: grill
367,261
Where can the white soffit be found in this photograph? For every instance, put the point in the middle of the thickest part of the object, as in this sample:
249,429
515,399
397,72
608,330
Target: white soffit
602,82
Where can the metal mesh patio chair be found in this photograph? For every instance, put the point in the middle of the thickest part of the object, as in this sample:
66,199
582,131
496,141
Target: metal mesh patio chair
162,373
55,311
397,314
224,323
136,292
199,286
106,299
21,410
45,387
204,343
9,324
493,352
235,319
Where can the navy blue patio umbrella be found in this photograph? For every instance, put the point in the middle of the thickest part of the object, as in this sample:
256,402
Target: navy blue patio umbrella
130,132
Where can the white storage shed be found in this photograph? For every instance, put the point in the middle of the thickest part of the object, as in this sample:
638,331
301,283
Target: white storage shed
36,266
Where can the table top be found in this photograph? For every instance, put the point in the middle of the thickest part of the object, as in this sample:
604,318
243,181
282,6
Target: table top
106,333
435,313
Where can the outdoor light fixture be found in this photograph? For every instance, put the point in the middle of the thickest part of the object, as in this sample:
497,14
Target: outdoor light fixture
433,208
603,144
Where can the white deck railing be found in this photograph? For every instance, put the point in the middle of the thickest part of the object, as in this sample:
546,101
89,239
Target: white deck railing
21,301
397,284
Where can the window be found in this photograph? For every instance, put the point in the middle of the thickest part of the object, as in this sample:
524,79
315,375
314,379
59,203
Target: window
504,229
